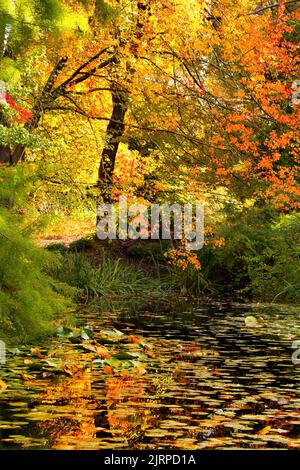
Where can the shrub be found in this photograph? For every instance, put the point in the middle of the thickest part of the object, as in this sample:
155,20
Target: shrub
82,244
260,257
57,247
149,250
29,298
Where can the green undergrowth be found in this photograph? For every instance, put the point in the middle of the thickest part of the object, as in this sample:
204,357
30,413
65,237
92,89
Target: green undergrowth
31,301
106,277
259,259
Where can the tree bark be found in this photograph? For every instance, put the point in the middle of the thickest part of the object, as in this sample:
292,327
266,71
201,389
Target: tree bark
5,154
114,133
116,125
5,150
39,107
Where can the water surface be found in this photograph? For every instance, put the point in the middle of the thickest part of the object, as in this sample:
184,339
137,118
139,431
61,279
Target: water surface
200,378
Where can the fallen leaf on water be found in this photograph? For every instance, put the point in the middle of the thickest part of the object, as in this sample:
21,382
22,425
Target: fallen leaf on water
3,385
252,321
68,370
64,331
140,370
264,431
25,377
123,355
53,362
108,370
102,351
36,352
27,361
133,339
112,335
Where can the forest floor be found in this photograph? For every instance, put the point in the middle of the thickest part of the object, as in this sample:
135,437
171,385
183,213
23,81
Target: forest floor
62,239
66,229
69,229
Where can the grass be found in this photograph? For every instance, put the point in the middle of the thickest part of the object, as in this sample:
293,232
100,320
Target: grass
98,270
110,277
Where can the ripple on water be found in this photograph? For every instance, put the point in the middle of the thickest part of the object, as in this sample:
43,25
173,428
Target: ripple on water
209,382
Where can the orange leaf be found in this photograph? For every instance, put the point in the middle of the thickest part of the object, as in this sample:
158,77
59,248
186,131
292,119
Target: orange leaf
25,377
36,352
108,370
133,339
102,351
68,370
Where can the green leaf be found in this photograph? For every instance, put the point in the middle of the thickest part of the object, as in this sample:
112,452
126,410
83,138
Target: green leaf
64,332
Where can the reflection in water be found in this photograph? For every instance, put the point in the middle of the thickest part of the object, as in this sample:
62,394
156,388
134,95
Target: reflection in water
207,381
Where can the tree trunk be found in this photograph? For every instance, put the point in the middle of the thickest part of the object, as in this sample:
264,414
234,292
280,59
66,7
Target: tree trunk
114,133
39,108
5,150
115,128
5,154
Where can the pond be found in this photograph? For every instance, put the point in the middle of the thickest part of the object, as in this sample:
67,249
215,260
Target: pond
157,374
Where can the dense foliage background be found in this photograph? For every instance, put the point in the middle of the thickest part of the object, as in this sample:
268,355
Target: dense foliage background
186,101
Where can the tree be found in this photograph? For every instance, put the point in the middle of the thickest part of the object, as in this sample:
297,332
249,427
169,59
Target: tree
202,82
24,27
236,80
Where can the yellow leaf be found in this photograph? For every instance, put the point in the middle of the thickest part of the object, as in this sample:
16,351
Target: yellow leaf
3,385
140,370
264,431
